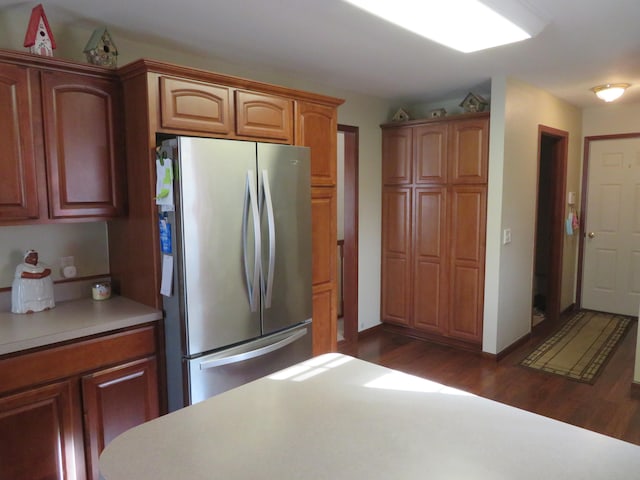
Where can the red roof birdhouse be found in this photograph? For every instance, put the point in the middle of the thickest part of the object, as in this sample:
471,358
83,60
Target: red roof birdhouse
39,38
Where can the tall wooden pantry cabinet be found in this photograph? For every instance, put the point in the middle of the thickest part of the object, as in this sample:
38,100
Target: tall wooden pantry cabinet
434,196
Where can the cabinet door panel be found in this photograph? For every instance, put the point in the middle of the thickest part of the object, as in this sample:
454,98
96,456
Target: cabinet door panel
40,435
116,400
469,150
324,326
323,234
397,157
430,150
468,232
430,272
18,183
264,116
396,255
194,106
317,128
83,147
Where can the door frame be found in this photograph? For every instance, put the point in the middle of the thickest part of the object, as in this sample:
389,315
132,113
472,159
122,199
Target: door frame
583,201
560,150
350,265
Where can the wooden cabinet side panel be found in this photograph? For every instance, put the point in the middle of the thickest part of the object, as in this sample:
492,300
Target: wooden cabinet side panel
116,400
41,433
136,271
317,128
396,255
195,106
468,232
264,116
324,242
397,156
430,151
84,145
469,150
18,180
430,293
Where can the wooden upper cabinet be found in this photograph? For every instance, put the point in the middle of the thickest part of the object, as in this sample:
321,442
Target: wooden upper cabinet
430,150
317,128
264,116
83,145
469,150
195,106
397,156
18,182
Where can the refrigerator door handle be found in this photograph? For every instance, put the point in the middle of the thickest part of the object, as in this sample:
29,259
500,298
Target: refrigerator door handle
267,290
258,352
251,202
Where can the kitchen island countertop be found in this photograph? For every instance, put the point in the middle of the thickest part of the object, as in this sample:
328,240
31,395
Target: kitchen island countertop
69,321
338,417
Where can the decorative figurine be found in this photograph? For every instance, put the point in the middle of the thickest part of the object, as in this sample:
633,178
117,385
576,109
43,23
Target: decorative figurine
473,103
100,49
32,289
39,38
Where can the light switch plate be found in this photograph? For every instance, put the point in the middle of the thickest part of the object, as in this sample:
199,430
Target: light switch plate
506,236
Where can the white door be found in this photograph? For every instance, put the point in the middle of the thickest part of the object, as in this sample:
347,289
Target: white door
611,279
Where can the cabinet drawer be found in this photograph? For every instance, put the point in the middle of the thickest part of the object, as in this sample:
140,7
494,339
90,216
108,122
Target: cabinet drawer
46,365
194,106
264,116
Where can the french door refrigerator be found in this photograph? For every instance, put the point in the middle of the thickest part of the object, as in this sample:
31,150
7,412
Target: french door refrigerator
241,302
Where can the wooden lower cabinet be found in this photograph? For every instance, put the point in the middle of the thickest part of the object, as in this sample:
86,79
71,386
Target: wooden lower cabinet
41,433
57,413
115,400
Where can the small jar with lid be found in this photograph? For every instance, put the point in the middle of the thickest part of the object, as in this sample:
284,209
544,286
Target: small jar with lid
101,291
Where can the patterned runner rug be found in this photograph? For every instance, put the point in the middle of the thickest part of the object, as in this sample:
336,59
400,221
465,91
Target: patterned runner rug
581,348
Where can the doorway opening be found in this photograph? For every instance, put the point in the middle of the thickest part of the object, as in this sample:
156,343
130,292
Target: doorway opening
347,234
549,241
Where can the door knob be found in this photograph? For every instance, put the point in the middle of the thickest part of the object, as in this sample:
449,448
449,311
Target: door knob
591,234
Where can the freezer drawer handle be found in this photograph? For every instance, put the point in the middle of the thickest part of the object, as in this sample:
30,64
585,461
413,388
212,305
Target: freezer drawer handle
267,291
258,352
251,200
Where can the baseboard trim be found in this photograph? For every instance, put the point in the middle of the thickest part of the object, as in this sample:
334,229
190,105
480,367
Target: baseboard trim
369,331
449,342
506,351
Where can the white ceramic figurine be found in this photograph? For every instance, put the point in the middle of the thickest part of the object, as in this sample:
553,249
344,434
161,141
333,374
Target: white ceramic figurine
32,289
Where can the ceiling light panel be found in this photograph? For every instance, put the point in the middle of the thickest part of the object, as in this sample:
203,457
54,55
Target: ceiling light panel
464,25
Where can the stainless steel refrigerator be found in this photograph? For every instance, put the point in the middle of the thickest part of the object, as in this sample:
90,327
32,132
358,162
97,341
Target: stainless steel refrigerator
241,245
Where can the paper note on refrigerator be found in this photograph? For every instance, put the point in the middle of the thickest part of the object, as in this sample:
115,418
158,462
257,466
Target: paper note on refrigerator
167,275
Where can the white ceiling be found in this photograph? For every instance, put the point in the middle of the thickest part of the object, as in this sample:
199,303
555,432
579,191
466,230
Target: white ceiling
585,43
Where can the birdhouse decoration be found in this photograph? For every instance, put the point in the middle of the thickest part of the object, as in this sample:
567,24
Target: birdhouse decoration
39,38
473,103
100,49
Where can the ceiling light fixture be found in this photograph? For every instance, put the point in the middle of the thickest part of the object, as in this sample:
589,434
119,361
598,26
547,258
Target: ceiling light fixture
610,91
464,25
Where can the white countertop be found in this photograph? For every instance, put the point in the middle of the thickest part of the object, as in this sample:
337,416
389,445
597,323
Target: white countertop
71,320
336,417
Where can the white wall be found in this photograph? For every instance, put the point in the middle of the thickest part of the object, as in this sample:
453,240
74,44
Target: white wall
362,111
517,111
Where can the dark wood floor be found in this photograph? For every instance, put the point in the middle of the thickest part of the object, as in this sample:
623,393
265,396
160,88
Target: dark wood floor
606,407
